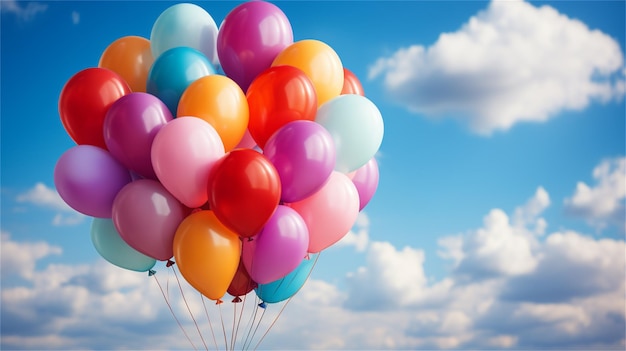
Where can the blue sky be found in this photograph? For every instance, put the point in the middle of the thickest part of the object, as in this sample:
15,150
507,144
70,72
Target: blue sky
499,217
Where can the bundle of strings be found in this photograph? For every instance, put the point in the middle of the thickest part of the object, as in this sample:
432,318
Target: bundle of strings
249,318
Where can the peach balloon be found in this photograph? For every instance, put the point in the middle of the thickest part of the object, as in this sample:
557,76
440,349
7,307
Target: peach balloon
218,100
319,62
131,58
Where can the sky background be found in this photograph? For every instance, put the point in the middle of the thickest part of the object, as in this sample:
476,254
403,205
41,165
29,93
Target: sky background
499,217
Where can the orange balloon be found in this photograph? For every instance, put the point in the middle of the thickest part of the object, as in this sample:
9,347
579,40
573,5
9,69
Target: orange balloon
351,84
319,62
207,253
220,101
131,58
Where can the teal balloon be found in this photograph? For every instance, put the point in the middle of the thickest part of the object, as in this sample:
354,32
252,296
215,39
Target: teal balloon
114,249
188,25
356,126
284,288
173,71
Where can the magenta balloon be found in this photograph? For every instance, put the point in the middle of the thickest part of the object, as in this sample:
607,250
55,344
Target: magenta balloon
146,216
249,39
278,249
88,178
303,153
365,179
130,126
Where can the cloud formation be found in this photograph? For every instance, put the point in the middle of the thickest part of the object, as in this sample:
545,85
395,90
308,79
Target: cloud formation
511,63
603,203
23,12
510,285
42,196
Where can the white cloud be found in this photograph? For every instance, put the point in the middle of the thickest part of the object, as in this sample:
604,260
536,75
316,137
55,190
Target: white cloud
394,278
19,258
43,196
528,214
511,63
564,290
602,203
75,17
23,13
358,236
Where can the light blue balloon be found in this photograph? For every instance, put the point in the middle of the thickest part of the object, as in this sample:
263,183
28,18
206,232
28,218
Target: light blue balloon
356,126
284,288
114,249
173,71
185,25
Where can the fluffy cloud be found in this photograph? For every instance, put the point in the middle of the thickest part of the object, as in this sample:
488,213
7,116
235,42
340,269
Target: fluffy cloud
603,203
562,289
511,63
75,17
20,259
358,236
42,196
23,13
502,246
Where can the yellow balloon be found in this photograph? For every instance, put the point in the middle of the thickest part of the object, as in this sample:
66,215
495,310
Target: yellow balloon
319,62
131,58
220,101
207,253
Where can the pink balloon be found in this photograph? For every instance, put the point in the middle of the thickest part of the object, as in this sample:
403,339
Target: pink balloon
365,178
184,152
249,39
278,249
330,212
146,216
88,178
130,126
303,153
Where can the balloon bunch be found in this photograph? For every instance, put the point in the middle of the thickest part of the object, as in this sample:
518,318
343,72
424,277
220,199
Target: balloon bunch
236,152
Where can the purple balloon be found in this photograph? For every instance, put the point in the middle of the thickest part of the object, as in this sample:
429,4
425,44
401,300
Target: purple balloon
278,249
129,129
147,216
88,178
303,153
249,39
366,181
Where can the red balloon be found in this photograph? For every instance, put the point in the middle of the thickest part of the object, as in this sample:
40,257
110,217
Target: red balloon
85,100
242,283
244,191
277,96
351,84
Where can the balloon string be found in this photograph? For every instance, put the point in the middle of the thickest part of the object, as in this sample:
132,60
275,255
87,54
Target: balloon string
232,330
189,309
173,314
250,324
243,307
285,305
219,305
257,326
206,311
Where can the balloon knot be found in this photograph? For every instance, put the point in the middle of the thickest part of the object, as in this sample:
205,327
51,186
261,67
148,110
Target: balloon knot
170,263
218,302
197,209
237,299
307,257
250,238
262,304
151,273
